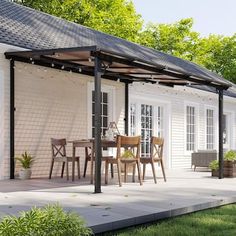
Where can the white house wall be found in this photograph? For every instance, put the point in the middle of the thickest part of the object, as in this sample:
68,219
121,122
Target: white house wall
177,99
49,103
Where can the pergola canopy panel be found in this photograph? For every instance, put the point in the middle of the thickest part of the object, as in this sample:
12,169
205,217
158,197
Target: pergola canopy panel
114,66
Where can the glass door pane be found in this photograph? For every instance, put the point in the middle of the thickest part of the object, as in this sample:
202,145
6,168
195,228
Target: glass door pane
146,128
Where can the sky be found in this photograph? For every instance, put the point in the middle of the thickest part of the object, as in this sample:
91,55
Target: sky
210,16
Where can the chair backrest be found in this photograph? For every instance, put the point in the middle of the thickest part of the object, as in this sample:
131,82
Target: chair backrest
58,148
128,145
157,145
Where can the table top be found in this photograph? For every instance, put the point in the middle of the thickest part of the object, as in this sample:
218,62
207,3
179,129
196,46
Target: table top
90,142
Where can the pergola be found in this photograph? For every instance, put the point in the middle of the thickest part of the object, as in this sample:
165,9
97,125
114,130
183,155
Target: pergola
124,66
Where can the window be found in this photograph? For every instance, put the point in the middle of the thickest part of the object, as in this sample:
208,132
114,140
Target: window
104,112
190,128
132,119
146,128
210,129
160,122
225,130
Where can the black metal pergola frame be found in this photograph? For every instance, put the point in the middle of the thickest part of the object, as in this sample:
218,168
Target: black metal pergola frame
104,64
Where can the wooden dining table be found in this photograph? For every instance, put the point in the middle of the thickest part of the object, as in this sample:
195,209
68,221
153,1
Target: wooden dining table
89,143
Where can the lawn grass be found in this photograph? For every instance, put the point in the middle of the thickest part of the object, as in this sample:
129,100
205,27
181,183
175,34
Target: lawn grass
215,222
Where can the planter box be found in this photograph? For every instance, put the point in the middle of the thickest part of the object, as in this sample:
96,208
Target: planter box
229,170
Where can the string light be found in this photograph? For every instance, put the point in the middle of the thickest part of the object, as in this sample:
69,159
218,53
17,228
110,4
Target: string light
63,67
52,65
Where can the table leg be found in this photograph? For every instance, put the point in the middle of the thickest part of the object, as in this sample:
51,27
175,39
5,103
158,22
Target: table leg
73,164
91,168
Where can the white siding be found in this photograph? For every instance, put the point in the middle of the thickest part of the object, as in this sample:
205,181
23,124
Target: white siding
49,103
179,97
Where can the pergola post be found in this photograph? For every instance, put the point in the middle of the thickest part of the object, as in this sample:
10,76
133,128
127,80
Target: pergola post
12,119
221,155
126,108
97,148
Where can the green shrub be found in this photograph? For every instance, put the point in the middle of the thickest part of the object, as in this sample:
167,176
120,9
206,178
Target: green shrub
230,156
214,165
47,221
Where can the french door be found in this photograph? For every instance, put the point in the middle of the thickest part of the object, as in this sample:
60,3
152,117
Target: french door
146,120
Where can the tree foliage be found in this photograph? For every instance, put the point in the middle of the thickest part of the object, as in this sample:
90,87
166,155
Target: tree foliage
116,17
217,53
119,18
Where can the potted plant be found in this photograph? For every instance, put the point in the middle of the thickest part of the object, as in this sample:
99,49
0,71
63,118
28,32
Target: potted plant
26,161
214,166
230,164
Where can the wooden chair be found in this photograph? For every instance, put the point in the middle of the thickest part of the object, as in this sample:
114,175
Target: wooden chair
156,156
88,158
59,155
132,145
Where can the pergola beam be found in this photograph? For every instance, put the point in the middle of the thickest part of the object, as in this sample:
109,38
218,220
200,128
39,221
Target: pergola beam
221,155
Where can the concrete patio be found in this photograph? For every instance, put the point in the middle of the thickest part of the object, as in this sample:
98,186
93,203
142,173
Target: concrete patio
185,191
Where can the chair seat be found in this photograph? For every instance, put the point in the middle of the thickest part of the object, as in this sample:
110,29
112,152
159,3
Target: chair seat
146,159
128,160
70,158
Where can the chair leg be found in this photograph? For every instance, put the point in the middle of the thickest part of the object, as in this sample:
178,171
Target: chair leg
62,169
67,170
85,167
78,168
163,170
144,170
112,171
119,173
134,167
125,173
153,172
139,173
51,168
106,172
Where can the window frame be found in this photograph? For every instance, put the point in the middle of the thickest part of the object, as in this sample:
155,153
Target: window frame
111,91
196,135
215,126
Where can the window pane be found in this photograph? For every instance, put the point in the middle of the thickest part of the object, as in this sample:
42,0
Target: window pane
210,128
190,128
104,112
105,98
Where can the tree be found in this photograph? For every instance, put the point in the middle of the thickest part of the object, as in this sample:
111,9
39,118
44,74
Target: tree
116,17
177,39
216,53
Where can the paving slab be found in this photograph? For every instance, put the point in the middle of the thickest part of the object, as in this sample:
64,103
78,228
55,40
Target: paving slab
117,207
